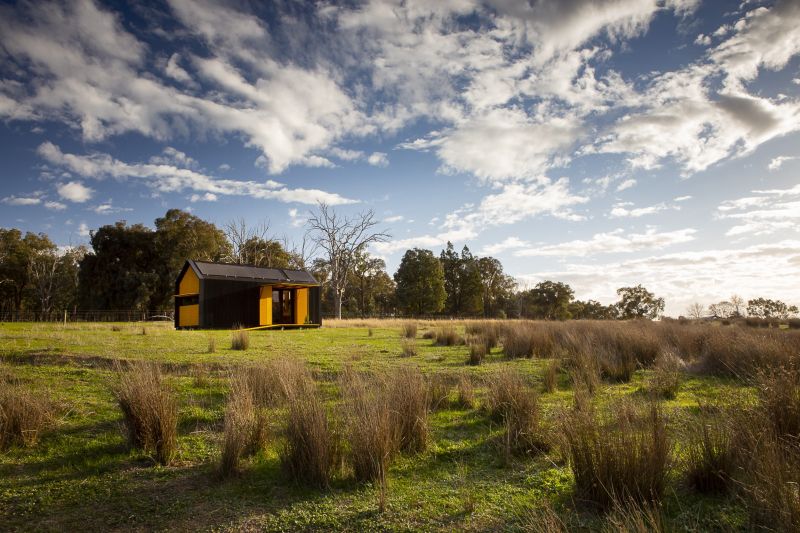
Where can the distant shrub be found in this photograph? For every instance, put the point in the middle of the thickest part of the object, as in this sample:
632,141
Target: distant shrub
793,323
240,340
150,410
408,330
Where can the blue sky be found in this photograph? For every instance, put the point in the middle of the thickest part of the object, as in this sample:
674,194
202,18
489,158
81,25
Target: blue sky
603,143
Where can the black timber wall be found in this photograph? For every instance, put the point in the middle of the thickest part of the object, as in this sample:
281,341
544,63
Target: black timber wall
314,305
225,304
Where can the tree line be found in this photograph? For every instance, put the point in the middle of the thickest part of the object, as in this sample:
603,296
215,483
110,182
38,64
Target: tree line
133,267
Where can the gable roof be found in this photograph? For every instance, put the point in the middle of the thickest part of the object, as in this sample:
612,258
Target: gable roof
233,272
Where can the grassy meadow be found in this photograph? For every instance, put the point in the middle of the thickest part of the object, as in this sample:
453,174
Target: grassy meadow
393,425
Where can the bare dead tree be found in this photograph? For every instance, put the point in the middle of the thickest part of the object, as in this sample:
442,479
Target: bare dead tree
241,237
42,271
341,238
695,310
301,252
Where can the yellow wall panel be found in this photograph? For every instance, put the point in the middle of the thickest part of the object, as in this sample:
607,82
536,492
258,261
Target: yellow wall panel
301,311
189,284
265,306
189,315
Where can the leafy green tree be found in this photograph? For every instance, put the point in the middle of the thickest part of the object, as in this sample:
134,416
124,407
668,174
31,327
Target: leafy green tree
369,275
180,236
497,287
420,283
766,308
123,269
548,300
462,279
591,310
638,302
17,253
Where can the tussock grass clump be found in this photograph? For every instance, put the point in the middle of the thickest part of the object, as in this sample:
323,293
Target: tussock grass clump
150,411
409,400
408,347
666,378
268,383
240,340
622,456
710,452
742,353
368,421
517,340
245,430
466,392
439,386
199,375
312,449
635,518
212,345
550,380
487,330
447,336
779,395
24,415
513,403
477,351
408,330
584,371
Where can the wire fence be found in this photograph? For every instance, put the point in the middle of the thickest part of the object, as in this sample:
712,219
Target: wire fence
98,315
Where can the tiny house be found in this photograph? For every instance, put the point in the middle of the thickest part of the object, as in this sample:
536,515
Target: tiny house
220,295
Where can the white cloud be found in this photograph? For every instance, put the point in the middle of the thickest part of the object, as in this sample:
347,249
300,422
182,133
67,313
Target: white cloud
616,241
296,220
681,198
75,191
22,200
108,208
224,167
509,243
378,159
625,210
702,40
83,229
169,178
175,71
683,277
627,184
207,197
768,212
395,218
55,206
778,162
172,156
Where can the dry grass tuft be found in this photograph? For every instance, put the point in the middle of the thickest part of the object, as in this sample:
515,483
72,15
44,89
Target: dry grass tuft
439,386
408,394
551,376
447,336
212,345
408,330
466,392
24,415
710,452
666,377
240,340
514,404
408,347
312,449
623,456
268,383
368,422
477,352
246,426
150,411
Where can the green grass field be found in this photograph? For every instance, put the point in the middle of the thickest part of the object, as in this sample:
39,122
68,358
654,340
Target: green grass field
80,475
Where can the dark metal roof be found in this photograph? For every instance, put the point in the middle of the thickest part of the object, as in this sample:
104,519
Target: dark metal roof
251,273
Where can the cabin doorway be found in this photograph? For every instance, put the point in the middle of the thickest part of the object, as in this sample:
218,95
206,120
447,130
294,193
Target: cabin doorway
283,306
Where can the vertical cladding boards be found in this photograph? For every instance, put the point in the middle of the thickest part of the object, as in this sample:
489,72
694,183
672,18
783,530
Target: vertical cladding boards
314,305
230,304
189,315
